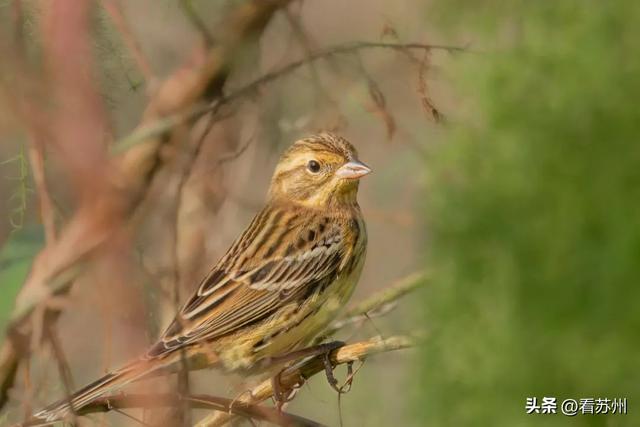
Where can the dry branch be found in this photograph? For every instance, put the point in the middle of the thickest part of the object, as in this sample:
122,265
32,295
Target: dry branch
378,101
423,90
109,206
47,214
183,97
194,17
150,130
115,12
292,378
295,376
170,400
75,122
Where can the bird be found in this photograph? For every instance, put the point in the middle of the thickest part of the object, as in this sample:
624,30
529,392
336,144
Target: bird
280,283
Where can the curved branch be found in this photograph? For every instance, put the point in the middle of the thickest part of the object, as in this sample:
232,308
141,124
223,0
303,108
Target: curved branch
295,376
161,126
167,400
94,223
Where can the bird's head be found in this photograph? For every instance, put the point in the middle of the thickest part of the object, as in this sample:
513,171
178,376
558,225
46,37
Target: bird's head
318,171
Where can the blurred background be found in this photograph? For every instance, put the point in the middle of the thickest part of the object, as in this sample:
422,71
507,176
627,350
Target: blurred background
126,294
506,171
531,212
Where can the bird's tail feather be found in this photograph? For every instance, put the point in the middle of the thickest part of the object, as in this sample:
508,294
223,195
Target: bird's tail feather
110,382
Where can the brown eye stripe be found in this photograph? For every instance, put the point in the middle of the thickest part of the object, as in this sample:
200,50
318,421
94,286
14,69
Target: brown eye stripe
288,174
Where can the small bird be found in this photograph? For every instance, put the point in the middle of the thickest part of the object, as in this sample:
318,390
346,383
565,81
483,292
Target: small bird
278,285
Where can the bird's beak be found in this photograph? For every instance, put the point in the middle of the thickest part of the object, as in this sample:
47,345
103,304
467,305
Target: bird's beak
353,170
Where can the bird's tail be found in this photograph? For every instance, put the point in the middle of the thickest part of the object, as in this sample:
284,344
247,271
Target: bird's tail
107,384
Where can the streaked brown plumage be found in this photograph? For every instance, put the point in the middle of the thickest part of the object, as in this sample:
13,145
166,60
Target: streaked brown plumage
279,284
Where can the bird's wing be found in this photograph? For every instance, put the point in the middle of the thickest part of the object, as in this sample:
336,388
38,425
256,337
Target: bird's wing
266,268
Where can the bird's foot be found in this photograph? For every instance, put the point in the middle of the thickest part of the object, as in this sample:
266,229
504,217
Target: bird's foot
328,369
283,395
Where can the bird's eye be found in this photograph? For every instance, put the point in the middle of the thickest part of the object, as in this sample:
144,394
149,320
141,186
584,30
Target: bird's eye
313,166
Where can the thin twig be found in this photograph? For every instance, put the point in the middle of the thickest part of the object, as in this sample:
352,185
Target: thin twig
185,173
161,126
346,387
94,224
46,206
162,400
115,12
425,97
378,99
28,390
193,16
309,46
8,369
231,156
346,48
63,367
131,417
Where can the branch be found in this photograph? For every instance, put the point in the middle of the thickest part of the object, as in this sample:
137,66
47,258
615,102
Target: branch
76,122
63,367
164,400
59,278
111,204
47,215
376,303
8,369
194,17
295,376
347,48
115,12
142,134
379,102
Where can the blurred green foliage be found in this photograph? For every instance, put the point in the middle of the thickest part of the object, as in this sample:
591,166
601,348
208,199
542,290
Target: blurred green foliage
533,209
15,259
25,238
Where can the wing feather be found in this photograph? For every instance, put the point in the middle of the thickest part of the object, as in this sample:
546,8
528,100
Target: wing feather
256,278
